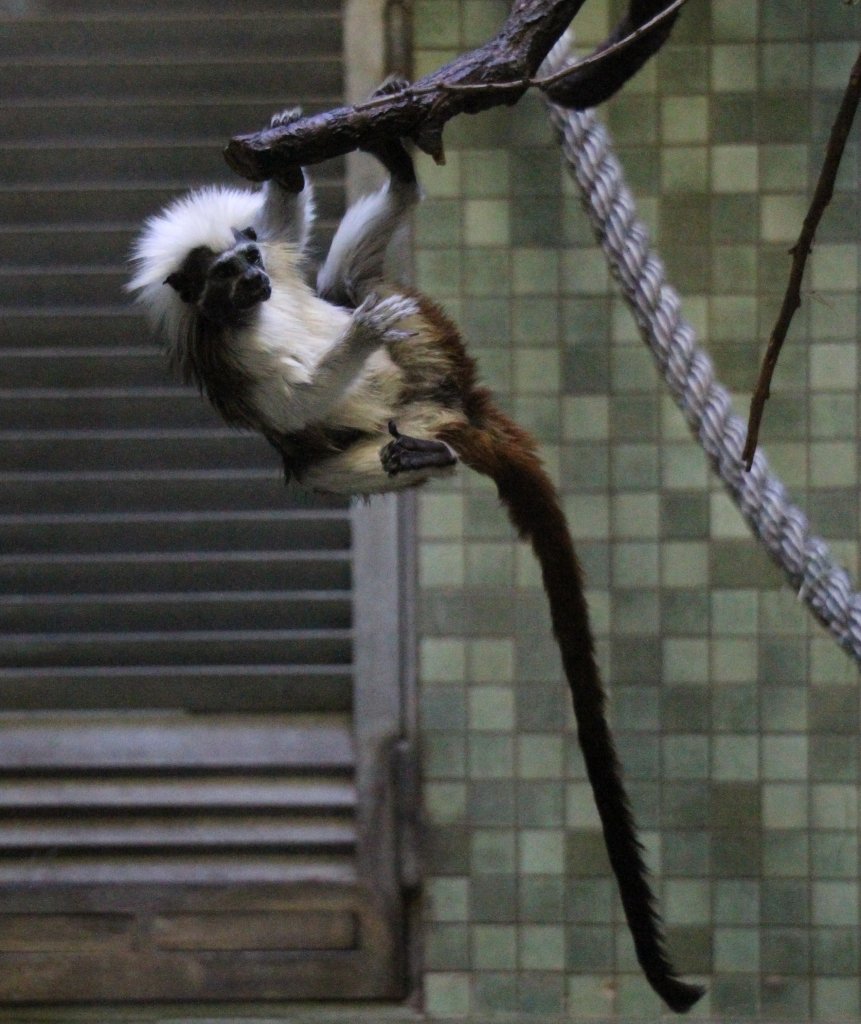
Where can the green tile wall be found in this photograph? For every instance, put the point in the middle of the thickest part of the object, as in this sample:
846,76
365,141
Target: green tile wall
737,719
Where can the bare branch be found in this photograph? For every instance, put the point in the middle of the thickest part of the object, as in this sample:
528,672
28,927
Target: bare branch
499,72
800,252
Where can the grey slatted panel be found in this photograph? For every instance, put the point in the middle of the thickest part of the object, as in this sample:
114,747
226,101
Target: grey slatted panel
177,765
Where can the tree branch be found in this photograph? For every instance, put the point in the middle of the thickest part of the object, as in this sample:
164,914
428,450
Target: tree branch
800,252
499,72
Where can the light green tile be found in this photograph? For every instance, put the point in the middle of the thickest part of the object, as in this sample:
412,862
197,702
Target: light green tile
736,949
684,169
494,947
491,708
486,222
734,67
542,851
784,758
542,947
448,899
540,756
835,904
734,168
733,19
447,994
491,756
684,119
784,805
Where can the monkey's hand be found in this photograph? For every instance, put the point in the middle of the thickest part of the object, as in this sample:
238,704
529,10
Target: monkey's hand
292,179
375,322
405,453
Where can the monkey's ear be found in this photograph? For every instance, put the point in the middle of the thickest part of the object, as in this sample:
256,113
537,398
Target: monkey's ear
182,282
245,235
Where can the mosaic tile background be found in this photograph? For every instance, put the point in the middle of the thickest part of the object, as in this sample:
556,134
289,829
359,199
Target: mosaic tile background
737,719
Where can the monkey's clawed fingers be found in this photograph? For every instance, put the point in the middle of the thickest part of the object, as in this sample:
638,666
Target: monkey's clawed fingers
379,317
405,453
285,117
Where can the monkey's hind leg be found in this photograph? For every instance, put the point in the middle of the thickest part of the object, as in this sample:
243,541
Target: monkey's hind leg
410,453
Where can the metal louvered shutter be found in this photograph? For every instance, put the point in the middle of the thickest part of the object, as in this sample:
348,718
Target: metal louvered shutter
192,805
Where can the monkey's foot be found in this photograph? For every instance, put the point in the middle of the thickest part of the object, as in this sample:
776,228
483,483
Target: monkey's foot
392,153
410,453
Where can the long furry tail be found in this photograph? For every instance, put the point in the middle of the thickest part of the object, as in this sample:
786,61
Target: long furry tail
495,446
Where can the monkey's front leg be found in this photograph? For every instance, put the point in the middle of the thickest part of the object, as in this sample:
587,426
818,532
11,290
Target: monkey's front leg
373,325
288,207
410,453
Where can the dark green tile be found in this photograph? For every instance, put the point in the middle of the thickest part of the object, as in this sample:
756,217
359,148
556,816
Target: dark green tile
688,266
735,218
635,708
536,220
635,661
732,118
684,515
684,612
772,123
542,708
835,951
585,855
834,855
785,950
685,854
684,219
685,709
686,805
635,417
785,902
541,900
535,171
586,321
834,709
586,467
834,758
735,995
586,369
447,947
736,805
443,708
493,898
735,709
633,118
690,948
834,513
438,222
687,72
589,900
782,660
640,753
785,998
540,804
494,991
448,850
642,168
491,802
741,565
736,854
784,19
588,948
541,993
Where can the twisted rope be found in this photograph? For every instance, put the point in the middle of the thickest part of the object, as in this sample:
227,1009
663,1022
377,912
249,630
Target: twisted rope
825,587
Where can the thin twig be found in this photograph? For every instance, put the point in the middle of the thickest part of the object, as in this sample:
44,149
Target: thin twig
800,252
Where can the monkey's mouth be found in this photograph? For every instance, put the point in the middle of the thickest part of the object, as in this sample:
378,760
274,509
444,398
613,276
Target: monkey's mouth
249,293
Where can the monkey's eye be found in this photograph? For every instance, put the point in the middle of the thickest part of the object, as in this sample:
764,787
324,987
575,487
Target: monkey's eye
223,270
253,256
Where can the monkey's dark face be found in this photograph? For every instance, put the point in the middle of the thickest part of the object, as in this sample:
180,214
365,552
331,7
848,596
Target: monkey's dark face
224,286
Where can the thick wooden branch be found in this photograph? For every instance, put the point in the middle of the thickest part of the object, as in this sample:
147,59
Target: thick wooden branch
499,72
800,252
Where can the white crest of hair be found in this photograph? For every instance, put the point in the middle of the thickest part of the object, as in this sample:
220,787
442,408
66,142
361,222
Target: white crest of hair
204,217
